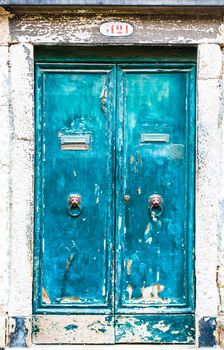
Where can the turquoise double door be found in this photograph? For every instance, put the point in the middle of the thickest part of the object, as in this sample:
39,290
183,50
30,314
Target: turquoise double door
114,188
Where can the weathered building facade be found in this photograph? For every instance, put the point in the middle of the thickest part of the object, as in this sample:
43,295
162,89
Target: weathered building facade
127,96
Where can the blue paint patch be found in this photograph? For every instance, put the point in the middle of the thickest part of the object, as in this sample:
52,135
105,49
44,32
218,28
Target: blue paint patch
102,330
18,338
35,328
109,318
71,327
207,327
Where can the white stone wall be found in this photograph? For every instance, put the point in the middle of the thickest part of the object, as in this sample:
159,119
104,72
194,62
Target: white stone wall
17,149
208,176
22,155
5,197
220,269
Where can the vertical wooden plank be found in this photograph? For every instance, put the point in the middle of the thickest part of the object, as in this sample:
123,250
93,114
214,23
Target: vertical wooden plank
155,260
73,102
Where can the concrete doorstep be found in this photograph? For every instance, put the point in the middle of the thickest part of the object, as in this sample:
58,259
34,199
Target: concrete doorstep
117,347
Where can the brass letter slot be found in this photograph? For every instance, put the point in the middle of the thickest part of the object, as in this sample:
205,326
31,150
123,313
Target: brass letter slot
155,138
75,142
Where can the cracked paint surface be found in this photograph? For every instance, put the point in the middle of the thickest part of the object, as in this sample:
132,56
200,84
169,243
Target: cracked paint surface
73,270
152,252
154,329
156,242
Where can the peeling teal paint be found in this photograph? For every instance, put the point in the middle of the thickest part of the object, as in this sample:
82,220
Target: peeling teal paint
71,327
76,251
152,270
102,330
35,329
155,329
155,266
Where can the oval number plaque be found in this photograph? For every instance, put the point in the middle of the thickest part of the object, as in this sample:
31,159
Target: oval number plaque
116,29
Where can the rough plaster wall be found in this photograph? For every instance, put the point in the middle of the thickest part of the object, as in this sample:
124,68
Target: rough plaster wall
69,29
220,274
208,177
21,86
4,171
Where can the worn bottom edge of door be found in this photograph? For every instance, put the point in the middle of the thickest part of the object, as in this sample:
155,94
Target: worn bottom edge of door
73,329
100,329
154,329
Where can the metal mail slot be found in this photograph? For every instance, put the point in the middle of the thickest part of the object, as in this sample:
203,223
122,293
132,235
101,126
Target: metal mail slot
75,142
155,138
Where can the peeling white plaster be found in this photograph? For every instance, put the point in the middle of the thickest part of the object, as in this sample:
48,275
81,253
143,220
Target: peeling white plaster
85,29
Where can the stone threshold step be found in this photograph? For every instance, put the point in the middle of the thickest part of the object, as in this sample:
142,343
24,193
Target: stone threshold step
117,347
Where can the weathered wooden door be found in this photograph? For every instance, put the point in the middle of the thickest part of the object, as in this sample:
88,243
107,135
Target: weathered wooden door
114,220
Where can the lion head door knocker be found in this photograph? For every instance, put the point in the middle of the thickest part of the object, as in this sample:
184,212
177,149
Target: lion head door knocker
74,202
155,206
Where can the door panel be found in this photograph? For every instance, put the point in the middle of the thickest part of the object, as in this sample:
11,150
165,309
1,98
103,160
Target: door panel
120,139
75,265
155,243
154,250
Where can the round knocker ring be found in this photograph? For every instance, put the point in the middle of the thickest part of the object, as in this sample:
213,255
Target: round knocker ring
155,205
74,201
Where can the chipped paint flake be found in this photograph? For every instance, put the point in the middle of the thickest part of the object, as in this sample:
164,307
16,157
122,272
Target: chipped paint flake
119,222
161,326
104,287
147,229
71,327
129,263
45,296
151,294
132,159
129,290
69,300
149,240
